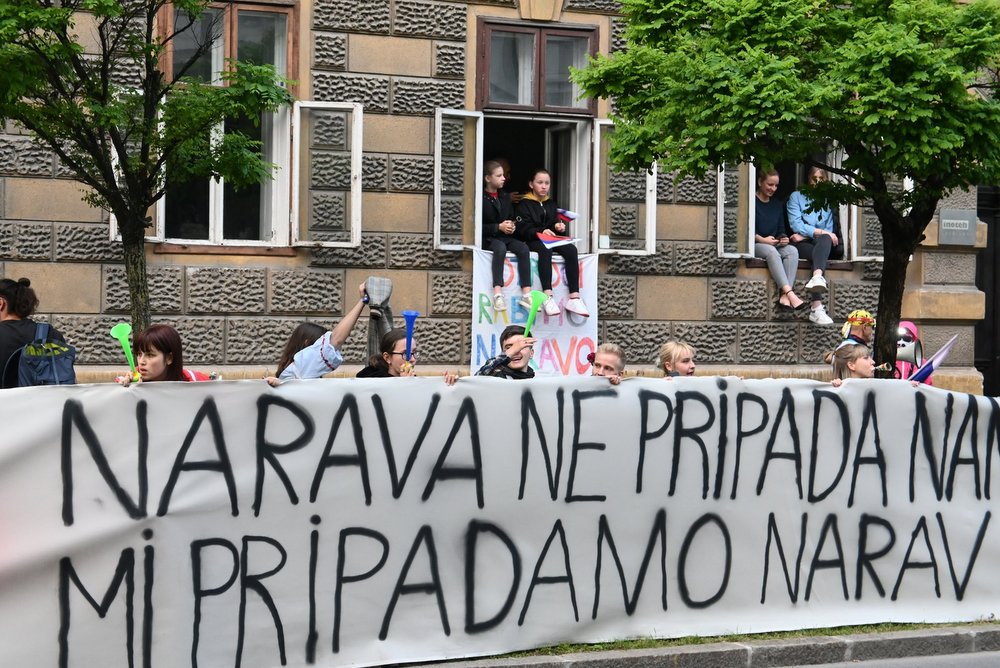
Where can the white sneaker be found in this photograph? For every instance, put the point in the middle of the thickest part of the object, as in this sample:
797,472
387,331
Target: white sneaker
551,307
816,284
499,303
819,316
525,301
577,306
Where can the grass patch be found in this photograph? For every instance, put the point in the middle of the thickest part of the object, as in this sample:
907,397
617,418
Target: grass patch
653,643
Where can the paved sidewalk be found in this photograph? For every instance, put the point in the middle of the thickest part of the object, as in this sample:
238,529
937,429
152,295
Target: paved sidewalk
812,650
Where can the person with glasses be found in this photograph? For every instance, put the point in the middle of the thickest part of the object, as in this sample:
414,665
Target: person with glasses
391,361
513,362
814,234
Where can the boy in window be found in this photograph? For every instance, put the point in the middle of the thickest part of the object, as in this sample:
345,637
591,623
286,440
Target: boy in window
513,361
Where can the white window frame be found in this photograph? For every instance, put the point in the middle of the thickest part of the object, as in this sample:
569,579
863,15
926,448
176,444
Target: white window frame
357,138
477,165
846,212
278,211
597,195
720,214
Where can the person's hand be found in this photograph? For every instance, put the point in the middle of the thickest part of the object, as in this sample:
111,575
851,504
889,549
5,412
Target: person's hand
782,241
450,378
796,238
834,239
520,345
125,380
560,227
549,232
615,379
362,291
770,241
508,227
272,381
836,382
407,369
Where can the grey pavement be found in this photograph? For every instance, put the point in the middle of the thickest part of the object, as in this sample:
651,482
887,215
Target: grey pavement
971,660
936,646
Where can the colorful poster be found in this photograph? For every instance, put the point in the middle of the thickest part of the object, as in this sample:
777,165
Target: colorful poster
564,341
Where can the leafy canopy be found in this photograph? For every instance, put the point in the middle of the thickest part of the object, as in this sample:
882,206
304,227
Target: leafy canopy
905,87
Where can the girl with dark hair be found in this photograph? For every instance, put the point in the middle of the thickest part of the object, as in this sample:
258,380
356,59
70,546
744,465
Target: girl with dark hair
17,304
313,352
159,356
536,213
391,361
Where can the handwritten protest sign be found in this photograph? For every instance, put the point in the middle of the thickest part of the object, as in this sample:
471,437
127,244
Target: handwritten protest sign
341,522
564,340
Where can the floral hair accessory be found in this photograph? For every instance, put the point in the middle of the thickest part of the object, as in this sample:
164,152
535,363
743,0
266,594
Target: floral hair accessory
591,357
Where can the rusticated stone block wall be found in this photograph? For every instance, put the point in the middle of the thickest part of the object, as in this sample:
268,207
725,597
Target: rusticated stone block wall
401,61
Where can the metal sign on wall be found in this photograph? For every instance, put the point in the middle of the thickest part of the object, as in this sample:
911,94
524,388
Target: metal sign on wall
957,227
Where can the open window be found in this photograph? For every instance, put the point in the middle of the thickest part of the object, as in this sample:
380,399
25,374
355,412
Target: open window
623,202
326,181
735,211
209,211
458,178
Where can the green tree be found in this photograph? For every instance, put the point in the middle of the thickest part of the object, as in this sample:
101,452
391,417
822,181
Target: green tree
87,78
904,87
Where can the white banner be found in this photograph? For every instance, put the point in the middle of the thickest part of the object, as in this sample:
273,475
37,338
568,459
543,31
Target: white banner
565,340
362,522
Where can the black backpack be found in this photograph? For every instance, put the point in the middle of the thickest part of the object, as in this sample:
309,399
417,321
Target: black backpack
44,361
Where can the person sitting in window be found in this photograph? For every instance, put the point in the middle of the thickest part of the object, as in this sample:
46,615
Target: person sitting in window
815,237
498,236
536,213
771,240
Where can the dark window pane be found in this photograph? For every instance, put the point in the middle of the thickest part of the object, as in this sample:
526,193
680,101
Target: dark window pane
512,68
241,209
186,209
561,53
199,41
261,39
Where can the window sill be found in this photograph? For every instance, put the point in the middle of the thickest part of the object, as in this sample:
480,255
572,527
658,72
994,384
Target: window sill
200,249
832,265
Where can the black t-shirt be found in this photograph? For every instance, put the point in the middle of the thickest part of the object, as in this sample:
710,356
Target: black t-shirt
13,335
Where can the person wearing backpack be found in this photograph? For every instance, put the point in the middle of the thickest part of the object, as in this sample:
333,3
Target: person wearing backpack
17,304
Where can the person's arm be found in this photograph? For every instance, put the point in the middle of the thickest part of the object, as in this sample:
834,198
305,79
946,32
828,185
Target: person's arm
796,210
493,365
343,328
491,218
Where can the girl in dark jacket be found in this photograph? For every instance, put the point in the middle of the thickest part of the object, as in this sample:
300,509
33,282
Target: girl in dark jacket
536,212
499,236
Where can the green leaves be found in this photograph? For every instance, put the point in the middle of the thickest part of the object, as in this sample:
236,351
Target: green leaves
710,81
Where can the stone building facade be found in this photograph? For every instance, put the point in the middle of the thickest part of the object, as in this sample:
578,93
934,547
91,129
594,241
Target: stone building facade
403,61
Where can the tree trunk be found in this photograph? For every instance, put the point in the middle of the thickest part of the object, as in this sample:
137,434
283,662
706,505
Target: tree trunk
890,301
134,252
900,237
